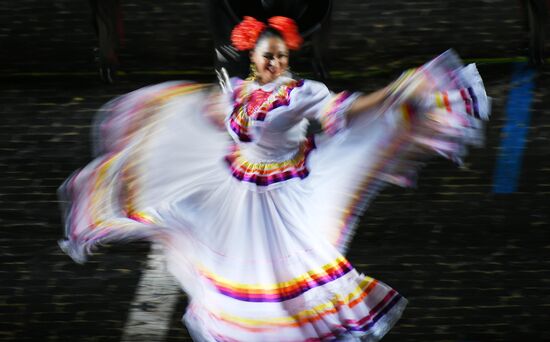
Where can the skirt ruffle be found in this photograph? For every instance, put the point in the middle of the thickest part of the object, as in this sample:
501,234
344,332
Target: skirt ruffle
435,110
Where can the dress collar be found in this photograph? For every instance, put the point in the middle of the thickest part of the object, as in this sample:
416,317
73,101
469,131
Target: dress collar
283,79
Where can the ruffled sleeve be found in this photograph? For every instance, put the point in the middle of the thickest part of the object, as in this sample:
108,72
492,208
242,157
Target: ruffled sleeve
327,107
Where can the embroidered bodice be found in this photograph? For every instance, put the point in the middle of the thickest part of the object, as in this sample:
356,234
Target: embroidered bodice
269,123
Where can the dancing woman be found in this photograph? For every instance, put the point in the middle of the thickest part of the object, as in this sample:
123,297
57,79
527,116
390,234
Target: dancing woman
255,217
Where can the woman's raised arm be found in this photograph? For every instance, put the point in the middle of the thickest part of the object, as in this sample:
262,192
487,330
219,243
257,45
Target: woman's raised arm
367,102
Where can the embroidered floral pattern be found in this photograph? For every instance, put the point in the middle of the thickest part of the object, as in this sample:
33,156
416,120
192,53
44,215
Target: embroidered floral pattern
252,106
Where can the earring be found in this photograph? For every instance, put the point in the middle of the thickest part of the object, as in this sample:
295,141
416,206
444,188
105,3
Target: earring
253,73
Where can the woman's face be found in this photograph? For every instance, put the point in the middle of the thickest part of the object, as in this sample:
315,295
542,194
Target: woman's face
271,59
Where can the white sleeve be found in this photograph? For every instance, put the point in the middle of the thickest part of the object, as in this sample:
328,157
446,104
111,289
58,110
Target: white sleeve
328,108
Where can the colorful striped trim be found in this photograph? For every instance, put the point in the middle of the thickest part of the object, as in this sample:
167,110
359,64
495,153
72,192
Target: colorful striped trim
364,324
307,316
141,217
332,118
253,105
267,173
467,96
467,101
408,111
474,101
284,290
99,191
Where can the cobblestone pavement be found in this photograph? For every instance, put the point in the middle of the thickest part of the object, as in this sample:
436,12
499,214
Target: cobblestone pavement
473,264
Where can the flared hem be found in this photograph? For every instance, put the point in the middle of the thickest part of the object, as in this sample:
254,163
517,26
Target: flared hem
201,331
387,322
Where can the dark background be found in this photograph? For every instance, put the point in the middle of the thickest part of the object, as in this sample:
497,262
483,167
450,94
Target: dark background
473,264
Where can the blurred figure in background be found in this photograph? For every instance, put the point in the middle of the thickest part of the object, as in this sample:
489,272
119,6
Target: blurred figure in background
107,22
535,16
313,18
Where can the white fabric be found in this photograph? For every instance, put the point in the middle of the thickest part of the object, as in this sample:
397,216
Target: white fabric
262,262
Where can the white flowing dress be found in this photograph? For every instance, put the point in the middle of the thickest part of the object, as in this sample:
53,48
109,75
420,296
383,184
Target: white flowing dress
255,223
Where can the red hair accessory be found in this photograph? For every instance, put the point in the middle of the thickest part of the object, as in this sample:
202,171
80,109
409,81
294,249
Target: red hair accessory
288,29
246,33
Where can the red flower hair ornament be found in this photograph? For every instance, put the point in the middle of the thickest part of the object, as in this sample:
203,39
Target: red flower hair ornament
245,35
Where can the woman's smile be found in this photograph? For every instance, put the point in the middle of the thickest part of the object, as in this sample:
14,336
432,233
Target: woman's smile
270,58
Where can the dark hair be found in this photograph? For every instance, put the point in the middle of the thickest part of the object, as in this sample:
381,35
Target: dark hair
269,32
